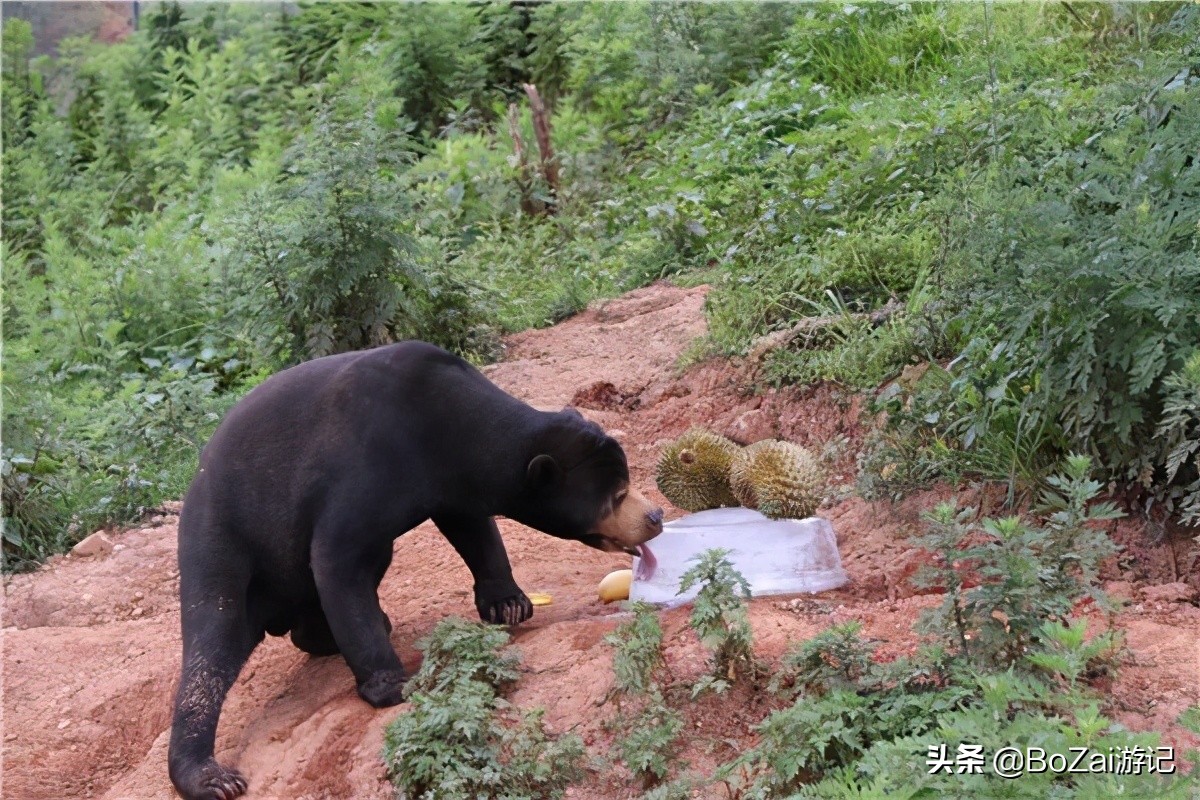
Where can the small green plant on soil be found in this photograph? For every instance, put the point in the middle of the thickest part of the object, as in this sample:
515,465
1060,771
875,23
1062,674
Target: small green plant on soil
649,736
1026,574
462,740
637,651
834,658
719,619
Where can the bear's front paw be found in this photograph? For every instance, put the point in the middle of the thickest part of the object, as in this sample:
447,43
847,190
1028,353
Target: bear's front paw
509,610
384,688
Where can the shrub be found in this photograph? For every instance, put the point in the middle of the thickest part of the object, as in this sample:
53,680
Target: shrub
1178,441
1026,575
836,658
461,740
647,739
844,702
637,650
1083,275
719,618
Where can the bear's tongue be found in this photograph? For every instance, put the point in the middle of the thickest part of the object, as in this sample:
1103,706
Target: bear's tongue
647,563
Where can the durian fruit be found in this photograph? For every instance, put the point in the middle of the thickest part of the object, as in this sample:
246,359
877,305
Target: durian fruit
693,471
780,479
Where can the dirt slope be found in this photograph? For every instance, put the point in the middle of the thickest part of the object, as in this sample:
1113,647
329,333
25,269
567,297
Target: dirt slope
91,645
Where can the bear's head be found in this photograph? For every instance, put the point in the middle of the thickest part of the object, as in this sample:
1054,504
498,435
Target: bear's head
577,487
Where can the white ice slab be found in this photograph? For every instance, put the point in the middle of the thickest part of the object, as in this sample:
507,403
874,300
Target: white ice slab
785,556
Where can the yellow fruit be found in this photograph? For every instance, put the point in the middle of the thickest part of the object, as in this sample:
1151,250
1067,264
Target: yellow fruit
693,471
780,479
615,585
540,598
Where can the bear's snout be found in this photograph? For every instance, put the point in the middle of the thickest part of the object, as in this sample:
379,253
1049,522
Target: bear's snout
633,521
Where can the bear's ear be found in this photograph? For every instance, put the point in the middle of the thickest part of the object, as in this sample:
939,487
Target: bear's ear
543,471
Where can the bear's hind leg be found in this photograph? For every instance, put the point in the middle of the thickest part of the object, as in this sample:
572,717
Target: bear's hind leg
218,638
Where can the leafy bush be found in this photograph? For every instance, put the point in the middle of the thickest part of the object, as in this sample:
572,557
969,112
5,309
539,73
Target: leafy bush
1082,275
1026,575
641,65
833,659
461,739
1004,711
844,702
719,618
637,650
647,739
1014,674
1178,438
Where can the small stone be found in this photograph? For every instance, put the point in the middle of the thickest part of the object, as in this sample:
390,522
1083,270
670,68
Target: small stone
12,737
118,548
64,724
96,544
138,595
137,612
86,598
1169,593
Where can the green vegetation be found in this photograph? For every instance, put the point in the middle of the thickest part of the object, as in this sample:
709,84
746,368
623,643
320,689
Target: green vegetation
237,188
461,740
646,741
719,618
1004,664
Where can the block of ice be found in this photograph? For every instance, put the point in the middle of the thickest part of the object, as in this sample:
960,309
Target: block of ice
784,556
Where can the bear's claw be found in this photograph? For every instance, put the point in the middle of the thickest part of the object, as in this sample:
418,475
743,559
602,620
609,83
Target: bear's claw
211,781
227,787
509,611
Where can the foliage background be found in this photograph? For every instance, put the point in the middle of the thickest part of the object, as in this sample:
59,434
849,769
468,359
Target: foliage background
236,188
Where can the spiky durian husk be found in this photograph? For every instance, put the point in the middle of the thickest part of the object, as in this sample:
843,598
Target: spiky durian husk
780,479
693,471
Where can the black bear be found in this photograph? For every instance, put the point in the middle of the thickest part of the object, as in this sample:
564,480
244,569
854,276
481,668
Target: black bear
289,523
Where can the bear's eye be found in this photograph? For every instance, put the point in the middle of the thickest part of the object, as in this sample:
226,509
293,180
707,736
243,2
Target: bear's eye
620,498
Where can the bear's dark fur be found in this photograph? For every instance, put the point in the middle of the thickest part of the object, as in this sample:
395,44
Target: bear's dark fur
290,521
